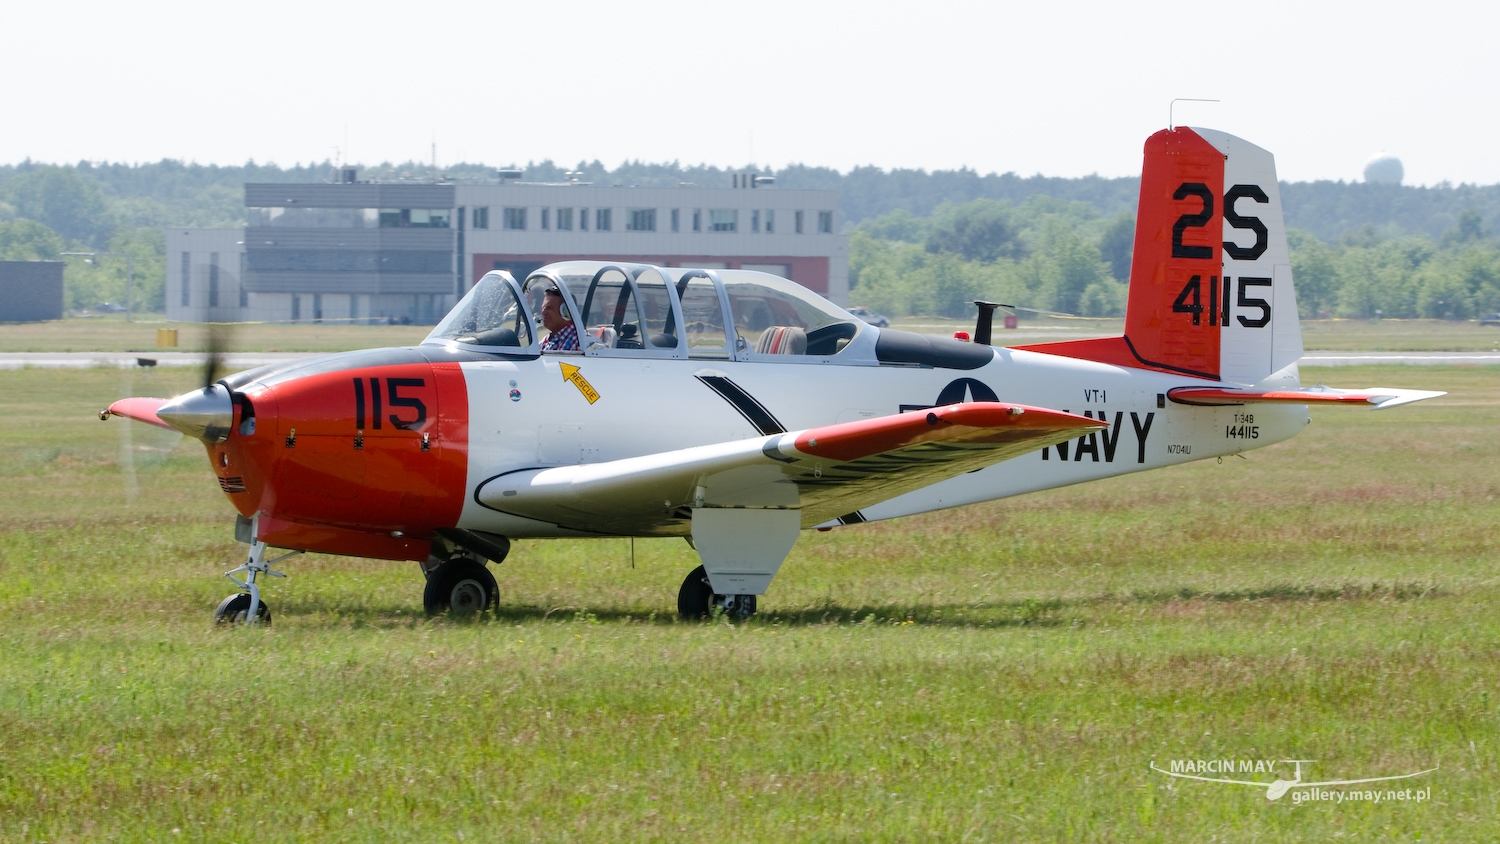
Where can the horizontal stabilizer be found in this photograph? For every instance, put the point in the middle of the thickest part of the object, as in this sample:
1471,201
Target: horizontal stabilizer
139,409
1380,397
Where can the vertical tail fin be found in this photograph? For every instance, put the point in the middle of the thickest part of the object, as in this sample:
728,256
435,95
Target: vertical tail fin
1211,280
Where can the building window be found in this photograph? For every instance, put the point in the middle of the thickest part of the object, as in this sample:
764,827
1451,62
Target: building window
244,294
770,222
414,218
583,219
825,222
755,221
564,219
213,279
601,219
797,221
482,217
723,220
187,278
296,307
317,307
697,220
641,220
353,307
546,222
676,219
515,219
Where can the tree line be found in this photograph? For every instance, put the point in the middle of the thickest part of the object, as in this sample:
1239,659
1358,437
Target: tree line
1062,256
920,240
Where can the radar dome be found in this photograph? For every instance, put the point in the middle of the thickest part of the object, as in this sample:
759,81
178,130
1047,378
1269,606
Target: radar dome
1384,169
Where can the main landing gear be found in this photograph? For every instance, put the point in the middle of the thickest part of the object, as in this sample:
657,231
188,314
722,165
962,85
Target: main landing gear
696,599
457,581
460,586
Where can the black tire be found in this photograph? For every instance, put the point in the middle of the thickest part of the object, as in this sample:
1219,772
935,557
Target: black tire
460,587
232,610
696,599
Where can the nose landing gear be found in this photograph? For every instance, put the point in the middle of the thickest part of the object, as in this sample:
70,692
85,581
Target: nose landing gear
246,607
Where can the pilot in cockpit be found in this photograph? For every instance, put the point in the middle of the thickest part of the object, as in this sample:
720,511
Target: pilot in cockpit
557,320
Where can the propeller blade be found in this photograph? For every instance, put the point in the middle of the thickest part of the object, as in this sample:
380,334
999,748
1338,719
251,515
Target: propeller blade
216,346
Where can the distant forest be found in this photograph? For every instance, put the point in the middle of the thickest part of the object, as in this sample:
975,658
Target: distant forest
1431,247
171,193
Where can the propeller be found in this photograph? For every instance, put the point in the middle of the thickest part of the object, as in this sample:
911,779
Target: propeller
205,413
144,450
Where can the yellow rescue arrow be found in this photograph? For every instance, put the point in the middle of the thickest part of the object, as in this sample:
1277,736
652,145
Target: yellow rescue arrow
571,374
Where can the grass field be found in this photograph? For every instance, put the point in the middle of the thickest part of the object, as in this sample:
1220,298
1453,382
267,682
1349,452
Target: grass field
1004,672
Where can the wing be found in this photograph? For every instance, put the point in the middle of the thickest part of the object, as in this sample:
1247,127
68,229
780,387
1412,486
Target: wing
139,409
1380,397
824,472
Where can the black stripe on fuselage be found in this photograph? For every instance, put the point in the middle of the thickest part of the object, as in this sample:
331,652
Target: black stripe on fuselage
753,411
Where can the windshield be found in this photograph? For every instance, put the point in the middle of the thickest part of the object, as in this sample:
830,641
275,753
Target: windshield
490,315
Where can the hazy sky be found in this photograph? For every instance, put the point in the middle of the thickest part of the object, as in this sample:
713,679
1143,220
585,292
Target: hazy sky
1063,89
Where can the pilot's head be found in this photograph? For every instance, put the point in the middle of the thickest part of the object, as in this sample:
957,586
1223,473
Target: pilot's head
555,315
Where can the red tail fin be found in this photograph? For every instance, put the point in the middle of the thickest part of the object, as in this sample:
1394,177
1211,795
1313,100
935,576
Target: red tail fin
1176,266
1210,282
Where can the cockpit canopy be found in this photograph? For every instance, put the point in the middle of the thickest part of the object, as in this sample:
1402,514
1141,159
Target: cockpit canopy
640,310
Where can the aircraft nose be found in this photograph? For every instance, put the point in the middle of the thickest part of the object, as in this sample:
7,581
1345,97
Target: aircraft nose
206,414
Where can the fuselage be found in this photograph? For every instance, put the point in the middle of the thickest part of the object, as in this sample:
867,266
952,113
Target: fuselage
368,453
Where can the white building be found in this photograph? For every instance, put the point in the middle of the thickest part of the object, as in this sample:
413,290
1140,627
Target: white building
408,251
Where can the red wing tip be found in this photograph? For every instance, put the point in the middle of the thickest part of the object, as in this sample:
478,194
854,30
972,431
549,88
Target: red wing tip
141,409
851,440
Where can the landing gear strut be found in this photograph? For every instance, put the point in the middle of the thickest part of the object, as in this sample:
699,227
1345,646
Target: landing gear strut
246,607
696,599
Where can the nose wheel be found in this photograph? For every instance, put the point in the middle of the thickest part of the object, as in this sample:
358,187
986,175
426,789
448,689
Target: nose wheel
461,586
246,607
697,599
236,609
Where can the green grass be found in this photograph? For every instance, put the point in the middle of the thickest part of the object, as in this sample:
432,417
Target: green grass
1000,672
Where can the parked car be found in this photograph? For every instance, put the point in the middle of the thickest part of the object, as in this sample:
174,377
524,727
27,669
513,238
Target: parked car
869,316
1490,319
109,308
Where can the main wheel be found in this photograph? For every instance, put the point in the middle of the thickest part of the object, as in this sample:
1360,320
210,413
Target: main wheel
696,599
236,607
460,587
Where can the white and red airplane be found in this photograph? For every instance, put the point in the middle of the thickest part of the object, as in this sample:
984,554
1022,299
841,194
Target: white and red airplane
736,409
